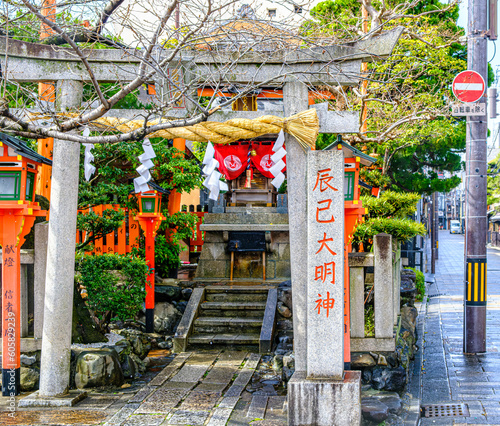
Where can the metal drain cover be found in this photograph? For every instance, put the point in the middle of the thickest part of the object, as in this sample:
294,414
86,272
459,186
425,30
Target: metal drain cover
445,410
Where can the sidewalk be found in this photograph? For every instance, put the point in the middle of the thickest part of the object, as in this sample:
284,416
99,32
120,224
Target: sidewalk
449,378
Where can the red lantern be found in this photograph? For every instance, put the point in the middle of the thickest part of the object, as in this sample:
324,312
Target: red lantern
18,210
149,218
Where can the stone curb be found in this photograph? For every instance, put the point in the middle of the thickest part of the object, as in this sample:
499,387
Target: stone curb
414,393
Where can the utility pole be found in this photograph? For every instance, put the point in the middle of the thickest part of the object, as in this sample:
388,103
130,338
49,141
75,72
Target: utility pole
475,190
435,206
432,223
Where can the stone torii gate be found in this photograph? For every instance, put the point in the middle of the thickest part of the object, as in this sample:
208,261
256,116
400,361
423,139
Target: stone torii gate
294,70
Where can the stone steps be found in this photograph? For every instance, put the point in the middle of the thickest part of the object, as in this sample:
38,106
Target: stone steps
230,316
206,325
225,339
239,289
227,321
240,306
235,297
233,313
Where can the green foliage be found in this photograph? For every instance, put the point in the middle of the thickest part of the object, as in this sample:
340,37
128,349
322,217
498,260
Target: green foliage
400,229
408,124
112,184
391,204
167,251
183,223
166,255
369,321
374,178
98,226
388,214
131,101
439,146
419,283
283,188
493,186
115,286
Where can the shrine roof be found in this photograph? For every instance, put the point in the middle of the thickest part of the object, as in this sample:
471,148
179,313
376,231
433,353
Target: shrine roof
20,148
351,152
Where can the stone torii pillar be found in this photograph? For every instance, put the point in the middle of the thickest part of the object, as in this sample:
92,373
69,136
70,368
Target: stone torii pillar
59,282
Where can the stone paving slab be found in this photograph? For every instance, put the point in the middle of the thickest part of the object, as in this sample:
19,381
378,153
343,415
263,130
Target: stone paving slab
122,415
229,402
144,420
178,385
142,394
190,373
162,401
53,417
97,402
232,357
170,369
182,417
220,416
243,377
220,374
257,409
211,387
234,390
203,358
200,400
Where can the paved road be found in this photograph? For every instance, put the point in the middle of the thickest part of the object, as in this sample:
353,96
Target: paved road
449,376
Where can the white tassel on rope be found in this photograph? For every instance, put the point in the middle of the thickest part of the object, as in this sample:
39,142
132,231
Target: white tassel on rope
212,181
141,182
279,164
88,167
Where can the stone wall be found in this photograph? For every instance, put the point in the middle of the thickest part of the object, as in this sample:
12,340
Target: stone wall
390,370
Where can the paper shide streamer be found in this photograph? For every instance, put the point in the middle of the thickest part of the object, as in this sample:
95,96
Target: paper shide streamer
88,167
141,182
279,164
212,181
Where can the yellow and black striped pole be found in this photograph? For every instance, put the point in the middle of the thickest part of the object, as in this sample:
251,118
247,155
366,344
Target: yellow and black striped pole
475,292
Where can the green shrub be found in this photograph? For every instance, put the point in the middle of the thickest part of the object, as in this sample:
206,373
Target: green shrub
369,321
166,256
374,178
419,283
115,286
400,229
391,204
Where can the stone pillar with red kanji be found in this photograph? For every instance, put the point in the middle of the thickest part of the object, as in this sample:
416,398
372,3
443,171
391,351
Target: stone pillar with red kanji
324,394
325,265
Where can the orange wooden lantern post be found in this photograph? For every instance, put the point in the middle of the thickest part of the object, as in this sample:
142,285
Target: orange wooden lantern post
18,210
149,218
353,214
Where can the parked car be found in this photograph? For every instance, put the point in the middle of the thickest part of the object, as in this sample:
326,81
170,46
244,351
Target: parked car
455,227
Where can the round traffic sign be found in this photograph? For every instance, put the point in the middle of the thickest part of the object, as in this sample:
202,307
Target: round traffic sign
468,86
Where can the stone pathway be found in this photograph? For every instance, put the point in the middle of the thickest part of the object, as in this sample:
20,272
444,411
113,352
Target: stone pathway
196,388
448,376
202,389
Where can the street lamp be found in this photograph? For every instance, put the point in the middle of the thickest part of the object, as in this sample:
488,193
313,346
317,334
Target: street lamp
18,210
149,218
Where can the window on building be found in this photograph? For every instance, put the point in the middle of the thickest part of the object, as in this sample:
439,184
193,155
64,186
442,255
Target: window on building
298,9
271,13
